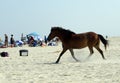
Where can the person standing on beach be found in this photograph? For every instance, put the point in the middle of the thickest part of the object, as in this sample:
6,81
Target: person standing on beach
12,42
45,39
22,38
6,41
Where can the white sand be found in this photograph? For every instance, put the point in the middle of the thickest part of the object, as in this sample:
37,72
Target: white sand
38,66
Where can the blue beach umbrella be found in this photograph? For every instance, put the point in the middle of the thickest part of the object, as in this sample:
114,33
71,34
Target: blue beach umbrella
35,35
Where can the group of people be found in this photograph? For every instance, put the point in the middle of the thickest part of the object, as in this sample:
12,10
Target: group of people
33,43
26,40
6,41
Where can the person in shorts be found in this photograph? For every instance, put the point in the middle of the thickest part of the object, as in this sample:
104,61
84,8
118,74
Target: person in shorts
12,42
6,41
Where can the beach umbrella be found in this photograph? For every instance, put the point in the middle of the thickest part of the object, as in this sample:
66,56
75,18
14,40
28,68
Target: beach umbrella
35,35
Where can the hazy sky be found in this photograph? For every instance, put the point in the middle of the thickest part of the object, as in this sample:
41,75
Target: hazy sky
25,16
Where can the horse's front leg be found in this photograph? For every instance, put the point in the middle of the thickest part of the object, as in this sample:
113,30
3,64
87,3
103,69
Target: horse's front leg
72,53
63,51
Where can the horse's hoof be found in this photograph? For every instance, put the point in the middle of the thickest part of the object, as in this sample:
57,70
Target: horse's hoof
104,59
56,62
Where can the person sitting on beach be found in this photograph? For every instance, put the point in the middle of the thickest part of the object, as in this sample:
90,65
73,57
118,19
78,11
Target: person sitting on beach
31,41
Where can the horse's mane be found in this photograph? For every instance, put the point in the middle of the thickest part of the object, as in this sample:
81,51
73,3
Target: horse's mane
65,32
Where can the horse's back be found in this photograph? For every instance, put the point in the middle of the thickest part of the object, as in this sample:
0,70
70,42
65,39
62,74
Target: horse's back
92,38
87,35
78,41
91,35
82,40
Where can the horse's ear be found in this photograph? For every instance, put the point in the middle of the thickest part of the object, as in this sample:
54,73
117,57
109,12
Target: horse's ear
51,27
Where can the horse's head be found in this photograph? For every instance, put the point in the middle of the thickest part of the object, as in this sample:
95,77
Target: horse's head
54,32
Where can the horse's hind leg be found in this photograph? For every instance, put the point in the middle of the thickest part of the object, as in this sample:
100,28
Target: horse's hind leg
100,51
72,53
63,51
91,51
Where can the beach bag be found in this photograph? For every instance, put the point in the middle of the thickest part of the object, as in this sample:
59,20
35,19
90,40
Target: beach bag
4,54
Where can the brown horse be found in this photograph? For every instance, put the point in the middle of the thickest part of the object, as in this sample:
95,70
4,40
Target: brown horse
71,40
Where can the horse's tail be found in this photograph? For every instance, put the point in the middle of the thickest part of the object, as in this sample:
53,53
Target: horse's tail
104,41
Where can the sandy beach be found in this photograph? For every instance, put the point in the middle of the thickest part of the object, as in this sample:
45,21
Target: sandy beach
39,67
